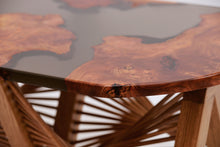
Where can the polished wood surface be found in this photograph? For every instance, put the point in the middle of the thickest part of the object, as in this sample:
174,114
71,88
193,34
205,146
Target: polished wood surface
120,49
124,61
33,32
110,48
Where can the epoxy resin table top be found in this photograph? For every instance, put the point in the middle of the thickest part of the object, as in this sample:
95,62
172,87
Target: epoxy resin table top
110,48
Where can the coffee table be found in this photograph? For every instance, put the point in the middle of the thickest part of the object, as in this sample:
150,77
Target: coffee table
117,52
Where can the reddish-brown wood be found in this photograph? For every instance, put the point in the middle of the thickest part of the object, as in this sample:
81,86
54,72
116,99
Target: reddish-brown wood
3,138
24,32
64,117
11,121
135,122
195,117
129,119
166,67
129,67
214,128
22,125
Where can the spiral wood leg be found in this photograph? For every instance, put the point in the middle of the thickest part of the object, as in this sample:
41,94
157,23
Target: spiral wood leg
58,110
21,126
45,106
127,121
110,122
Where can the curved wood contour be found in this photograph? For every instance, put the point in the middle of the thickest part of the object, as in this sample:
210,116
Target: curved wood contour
85,4
25,32
124,66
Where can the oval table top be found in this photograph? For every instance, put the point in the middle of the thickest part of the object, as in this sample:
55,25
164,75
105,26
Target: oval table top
110,48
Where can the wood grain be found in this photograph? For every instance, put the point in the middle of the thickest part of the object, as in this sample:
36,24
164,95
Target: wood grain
214,128
124,66
135,121
65,110
193,124
85,4
22,125
25,32
11,121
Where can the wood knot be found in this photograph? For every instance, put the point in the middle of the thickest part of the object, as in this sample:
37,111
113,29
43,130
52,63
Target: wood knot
168,62
117,90
128,67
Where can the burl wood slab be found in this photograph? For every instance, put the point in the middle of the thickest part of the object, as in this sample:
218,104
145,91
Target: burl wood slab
84,4
24,32
123,65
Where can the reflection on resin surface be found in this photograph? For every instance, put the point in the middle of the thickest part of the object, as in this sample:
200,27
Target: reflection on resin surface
127,60
78,30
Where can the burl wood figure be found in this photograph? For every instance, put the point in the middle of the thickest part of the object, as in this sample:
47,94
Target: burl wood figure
125,69
193,55
24,32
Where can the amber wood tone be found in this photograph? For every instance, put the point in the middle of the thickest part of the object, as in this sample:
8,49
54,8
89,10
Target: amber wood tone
11,121
131,111
22,125
193,124
167,67
214,129
13,26
3,138
31,94
63,121
175,60
126,69
137,120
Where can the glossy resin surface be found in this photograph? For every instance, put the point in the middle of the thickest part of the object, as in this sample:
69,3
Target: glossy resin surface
110,48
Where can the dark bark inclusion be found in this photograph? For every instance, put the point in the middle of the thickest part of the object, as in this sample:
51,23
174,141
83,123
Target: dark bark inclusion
117,90
168,62
81,49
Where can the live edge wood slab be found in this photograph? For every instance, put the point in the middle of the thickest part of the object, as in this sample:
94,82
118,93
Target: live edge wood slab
109,48
76,46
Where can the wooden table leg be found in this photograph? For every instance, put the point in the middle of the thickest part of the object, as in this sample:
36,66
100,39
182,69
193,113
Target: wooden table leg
22,126
193,124
214,129
66,111
11,121
64,118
